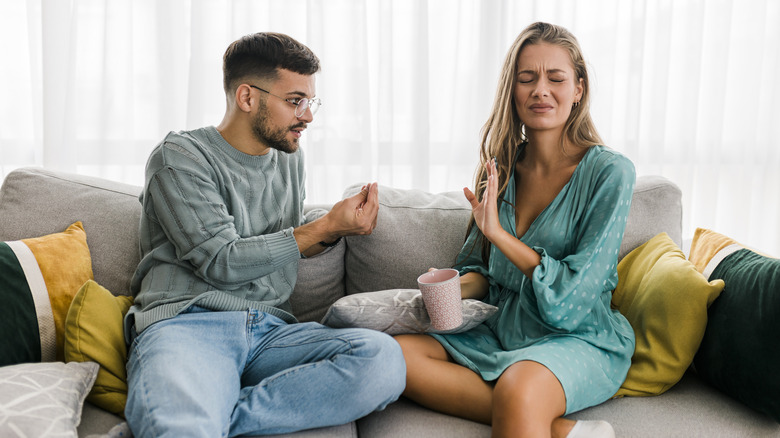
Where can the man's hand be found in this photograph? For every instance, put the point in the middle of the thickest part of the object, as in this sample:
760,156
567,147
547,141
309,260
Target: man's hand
355,215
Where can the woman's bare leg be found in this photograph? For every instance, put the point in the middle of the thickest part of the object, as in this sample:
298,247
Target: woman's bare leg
434,381
529,402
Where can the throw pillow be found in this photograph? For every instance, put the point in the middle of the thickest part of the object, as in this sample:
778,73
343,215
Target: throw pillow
38,279
94,333
43,399
398,311
739,351
665,299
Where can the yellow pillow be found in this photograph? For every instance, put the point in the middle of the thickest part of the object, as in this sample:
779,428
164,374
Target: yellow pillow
94,332
38,279
665,299
709,248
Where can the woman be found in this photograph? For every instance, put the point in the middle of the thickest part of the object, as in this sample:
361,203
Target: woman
548,218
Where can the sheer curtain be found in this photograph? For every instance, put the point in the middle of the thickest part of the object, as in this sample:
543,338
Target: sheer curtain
687,89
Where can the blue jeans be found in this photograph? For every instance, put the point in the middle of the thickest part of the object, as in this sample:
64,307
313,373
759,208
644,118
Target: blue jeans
211,374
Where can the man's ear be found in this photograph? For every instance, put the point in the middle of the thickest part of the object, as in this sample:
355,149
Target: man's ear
243,98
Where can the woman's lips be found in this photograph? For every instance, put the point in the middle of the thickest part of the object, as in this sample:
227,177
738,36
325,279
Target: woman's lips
541,108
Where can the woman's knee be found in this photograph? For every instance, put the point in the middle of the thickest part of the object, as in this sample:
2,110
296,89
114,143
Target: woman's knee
529,386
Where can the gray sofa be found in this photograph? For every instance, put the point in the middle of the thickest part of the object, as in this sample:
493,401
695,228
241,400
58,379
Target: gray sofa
416,230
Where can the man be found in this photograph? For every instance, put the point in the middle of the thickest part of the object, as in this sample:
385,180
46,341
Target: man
214,348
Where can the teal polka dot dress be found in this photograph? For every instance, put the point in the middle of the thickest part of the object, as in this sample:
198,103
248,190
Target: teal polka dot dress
561,317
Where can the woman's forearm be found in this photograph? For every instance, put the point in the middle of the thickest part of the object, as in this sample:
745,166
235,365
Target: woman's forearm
473,285
520,254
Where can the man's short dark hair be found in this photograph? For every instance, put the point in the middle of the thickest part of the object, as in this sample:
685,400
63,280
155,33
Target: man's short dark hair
262,54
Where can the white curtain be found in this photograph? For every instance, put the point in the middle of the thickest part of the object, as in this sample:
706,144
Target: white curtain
687,89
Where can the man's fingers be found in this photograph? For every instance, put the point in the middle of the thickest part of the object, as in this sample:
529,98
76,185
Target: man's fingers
371,204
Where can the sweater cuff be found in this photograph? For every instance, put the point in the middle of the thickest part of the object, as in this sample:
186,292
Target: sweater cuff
283,247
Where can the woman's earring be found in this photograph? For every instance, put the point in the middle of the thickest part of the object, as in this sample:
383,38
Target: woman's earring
575,104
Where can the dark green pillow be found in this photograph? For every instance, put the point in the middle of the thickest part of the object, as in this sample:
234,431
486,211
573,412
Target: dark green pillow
740,351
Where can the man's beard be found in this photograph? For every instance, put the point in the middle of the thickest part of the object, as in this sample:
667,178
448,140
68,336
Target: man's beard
274,138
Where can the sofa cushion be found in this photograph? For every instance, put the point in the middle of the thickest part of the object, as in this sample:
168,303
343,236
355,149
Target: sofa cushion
665,299
94,333
320,282
740,351
656,207
398,311
43,399
415,231
34,202
320,279
691,409
38,279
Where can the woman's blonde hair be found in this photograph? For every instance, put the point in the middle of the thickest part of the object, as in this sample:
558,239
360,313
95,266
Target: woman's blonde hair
504,132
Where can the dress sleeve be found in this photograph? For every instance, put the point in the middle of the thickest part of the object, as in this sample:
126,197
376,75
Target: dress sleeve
567,289
470,256
187,205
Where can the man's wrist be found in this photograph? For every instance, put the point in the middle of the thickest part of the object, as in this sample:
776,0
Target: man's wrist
331,244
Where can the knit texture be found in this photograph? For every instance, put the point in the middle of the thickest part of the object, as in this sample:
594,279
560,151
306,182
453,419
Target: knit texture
217,228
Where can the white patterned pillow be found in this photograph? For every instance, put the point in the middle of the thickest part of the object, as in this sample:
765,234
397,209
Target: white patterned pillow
397,312
44,399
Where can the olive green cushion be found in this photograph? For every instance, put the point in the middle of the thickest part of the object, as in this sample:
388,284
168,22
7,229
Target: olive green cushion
94,332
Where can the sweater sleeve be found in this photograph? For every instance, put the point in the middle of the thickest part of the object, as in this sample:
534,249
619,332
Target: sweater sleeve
568,289
186,202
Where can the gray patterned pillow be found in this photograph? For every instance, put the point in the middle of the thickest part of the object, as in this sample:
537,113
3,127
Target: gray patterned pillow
44,399
397,312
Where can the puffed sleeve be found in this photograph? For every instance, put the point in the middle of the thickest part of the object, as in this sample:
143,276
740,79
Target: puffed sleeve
567,289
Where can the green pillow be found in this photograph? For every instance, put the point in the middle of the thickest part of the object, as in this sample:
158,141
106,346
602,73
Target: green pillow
38,279
665,299
94,333
741,346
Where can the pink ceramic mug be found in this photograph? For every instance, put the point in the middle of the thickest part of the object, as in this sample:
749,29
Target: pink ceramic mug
441,295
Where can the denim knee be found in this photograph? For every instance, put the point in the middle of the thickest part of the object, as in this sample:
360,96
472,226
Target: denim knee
387,369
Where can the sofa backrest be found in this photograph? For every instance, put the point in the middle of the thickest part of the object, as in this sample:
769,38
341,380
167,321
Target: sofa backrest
35,202
416,231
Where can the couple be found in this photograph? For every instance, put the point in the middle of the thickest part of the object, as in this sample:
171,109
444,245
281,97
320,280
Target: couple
214,350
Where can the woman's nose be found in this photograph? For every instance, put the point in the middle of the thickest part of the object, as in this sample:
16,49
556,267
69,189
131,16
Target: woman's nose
541,91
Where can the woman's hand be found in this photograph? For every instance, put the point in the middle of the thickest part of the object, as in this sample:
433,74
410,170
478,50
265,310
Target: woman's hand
472,285
486,211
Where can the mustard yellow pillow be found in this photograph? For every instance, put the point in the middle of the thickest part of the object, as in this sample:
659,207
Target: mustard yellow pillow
94,332
665,299
38,279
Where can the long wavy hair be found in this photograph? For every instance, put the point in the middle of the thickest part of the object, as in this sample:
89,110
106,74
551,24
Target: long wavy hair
504,132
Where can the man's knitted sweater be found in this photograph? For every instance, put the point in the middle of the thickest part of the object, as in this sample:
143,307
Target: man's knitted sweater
217,229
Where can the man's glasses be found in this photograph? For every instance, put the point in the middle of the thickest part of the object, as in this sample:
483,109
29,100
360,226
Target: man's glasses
301,103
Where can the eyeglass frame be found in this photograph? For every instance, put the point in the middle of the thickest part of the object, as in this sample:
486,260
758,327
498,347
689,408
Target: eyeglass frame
309,103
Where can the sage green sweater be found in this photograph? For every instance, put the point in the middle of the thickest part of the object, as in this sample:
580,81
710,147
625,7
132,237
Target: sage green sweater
216,229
